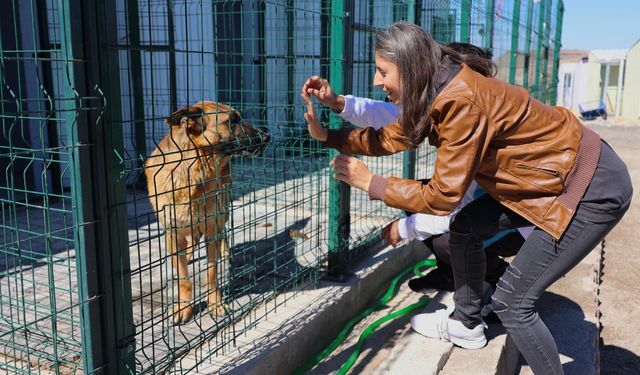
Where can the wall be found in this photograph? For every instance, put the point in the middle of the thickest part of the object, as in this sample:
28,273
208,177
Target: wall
631,94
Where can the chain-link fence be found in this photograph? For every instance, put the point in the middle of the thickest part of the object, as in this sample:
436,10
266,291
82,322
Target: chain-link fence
130,237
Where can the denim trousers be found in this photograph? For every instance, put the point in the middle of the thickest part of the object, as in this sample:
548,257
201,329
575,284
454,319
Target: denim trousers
540,262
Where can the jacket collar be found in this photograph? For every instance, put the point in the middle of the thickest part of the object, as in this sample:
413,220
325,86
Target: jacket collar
445,73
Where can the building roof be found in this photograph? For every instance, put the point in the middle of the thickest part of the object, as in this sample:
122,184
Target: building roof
610,54
572,55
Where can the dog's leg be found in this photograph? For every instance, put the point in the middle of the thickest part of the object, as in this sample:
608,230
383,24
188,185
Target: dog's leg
177,249
192,244
216,245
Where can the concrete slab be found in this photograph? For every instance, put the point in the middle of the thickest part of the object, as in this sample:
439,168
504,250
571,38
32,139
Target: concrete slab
499,357
284,341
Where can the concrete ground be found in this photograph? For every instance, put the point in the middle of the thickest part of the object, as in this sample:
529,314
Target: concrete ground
620,289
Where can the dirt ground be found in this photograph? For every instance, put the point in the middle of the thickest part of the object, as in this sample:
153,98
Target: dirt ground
620,290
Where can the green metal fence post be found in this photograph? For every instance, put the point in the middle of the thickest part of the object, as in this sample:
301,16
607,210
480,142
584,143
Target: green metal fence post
545,56
515,29
465,21
409,157
541,18
339,192
556,53
527,45
171,36
417,14
83,213
542,49
101,245
488,40
110,194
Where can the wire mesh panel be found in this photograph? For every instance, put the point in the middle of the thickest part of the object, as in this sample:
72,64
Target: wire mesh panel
521,48
39,304
159,193
260,226
442,19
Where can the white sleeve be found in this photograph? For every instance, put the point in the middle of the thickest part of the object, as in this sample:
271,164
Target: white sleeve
423,226
363,112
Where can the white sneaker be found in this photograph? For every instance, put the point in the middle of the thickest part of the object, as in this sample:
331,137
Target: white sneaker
438,325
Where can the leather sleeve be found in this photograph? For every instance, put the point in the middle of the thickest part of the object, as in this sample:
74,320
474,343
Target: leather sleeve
368,141
464,136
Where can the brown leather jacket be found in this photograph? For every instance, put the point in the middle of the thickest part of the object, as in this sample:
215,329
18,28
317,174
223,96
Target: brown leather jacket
535,159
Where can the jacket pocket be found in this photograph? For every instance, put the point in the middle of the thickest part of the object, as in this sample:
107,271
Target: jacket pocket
547,179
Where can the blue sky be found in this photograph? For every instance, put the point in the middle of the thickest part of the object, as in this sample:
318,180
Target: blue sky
600,24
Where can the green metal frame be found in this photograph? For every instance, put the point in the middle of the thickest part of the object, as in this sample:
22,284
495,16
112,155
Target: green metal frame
488,42
339,192
539,59
465,21
545,57
556,53
104,289
527,43
409,157
101,156
515,32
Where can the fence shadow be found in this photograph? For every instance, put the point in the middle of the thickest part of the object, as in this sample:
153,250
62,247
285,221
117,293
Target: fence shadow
267,265
574,335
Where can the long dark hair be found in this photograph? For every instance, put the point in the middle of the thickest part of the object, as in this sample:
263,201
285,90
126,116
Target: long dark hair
418,58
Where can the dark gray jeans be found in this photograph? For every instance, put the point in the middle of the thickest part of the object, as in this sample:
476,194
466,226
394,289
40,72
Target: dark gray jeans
540,262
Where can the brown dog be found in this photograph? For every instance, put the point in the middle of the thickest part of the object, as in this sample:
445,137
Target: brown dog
188,179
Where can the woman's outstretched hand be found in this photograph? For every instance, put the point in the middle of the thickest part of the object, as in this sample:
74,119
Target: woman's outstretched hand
315,128
322,90
391,234
352,170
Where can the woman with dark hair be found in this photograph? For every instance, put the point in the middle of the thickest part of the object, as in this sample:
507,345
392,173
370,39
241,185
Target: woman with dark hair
432,230
537,163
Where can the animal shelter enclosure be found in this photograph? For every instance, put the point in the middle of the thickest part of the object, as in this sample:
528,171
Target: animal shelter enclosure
157,182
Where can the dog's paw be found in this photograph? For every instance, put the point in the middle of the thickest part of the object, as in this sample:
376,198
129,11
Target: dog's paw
216,306
182,313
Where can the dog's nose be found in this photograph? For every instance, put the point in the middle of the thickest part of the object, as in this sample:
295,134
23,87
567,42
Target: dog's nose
266,137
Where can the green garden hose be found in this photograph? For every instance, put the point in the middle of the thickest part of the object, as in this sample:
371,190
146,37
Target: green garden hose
342,336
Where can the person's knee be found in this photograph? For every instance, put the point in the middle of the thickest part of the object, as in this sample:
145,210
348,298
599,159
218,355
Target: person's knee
508,302
501,303
461,225
504,298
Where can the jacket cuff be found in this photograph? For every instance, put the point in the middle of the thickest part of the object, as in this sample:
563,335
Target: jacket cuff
377,187
333,139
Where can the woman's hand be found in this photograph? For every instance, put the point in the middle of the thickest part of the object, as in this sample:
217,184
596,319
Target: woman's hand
352,170
322,90
315,128
391,234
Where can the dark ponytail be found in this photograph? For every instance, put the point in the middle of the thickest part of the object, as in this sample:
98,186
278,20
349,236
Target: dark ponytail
475,57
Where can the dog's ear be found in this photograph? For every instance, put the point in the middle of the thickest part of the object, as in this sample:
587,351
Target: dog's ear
176,117
186,117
